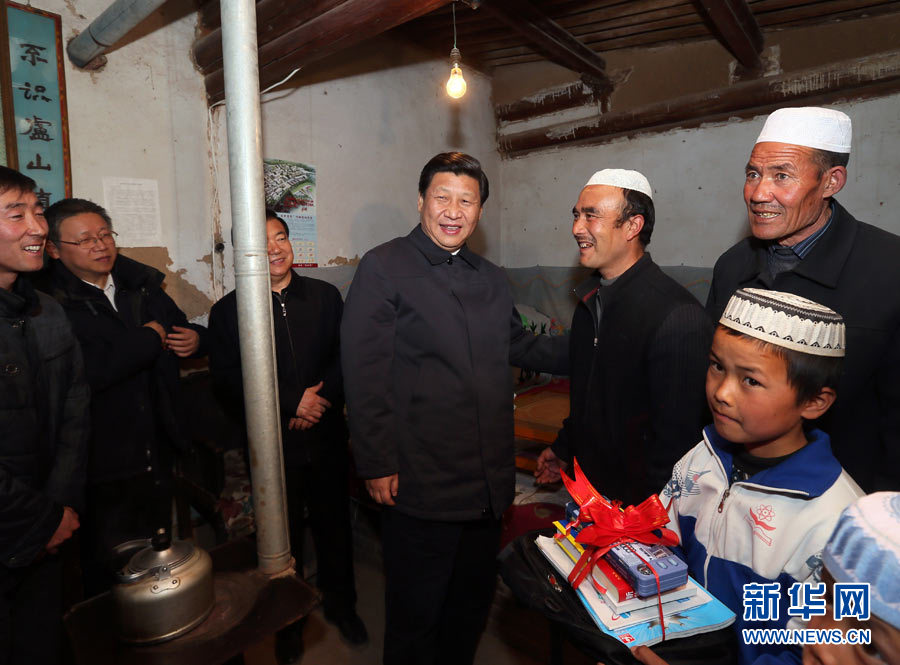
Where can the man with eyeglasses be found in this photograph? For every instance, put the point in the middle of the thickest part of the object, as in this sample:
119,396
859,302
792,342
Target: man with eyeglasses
43,435
132,335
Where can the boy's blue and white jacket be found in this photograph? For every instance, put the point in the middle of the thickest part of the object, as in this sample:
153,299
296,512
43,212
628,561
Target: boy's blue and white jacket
769,528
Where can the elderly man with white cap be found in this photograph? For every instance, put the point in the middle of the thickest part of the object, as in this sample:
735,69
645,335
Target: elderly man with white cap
638,350
803,241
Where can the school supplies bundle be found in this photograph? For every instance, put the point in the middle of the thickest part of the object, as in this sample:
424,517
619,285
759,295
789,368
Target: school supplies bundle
619,563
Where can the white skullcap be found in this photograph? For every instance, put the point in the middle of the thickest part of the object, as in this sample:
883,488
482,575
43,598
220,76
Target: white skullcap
865,548
622,178
787,320
810,126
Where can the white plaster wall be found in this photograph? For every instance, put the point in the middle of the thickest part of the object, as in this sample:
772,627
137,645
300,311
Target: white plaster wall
144,116
697,179
369,133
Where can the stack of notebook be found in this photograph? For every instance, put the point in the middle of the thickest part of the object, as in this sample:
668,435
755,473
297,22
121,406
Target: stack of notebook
620,613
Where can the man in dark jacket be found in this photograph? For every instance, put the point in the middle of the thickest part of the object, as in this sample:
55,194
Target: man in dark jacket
43,435
306,316
428,335
131,334
805,242
639,350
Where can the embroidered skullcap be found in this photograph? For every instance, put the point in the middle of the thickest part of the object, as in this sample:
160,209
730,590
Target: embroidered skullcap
622,178
810,126
865,548
787,320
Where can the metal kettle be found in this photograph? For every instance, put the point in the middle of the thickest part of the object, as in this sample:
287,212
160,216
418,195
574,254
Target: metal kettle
164,590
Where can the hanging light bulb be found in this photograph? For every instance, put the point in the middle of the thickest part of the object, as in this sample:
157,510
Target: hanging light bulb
456,84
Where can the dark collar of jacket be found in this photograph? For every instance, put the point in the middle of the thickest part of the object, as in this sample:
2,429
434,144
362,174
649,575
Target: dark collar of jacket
809,471
128,275
435,254
20,300
588,288
295,287
825,260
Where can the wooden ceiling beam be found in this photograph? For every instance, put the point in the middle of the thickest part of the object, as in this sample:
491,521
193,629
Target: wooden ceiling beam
273,19
348,23
852,79
548,37
550,101
733,24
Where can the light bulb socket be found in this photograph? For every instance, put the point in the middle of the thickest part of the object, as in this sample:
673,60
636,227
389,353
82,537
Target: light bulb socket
455,57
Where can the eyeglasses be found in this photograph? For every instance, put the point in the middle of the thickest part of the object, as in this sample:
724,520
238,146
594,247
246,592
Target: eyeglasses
106,238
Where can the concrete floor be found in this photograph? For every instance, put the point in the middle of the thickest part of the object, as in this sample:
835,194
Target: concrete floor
514,636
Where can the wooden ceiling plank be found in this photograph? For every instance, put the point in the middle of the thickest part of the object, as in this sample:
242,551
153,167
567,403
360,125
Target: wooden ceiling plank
349,23
273,19
733,24
492,30
655,18
691,32
634,10
836,17
820,10
598,38
547,36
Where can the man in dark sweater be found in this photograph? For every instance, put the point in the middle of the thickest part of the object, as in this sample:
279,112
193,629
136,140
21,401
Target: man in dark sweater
307,318
638,350
804,242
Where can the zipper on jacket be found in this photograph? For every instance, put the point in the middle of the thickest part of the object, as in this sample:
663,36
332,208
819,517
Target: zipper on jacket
724,496
710,544
282,300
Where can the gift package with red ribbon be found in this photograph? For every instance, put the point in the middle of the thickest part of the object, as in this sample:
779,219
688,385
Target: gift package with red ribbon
619,562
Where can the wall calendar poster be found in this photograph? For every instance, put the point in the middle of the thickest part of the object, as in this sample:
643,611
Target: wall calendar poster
291,192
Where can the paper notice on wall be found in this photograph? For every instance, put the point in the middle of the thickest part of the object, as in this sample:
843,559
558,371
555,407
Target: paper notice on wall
133,205
291,192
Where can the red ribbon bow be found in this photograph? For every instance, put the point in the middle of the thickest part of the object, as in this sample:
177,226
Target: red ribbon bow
608,525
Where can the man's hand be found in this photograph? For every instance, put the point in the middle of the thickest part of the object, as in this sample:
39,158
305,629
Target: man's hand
184,341
312,406
299,423
383,490
159,330
549,466
646,656
67,526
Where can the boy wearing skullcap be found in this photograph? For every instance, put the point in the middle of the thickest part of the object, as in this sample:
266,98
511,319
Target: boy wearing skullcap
864,549
757,498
